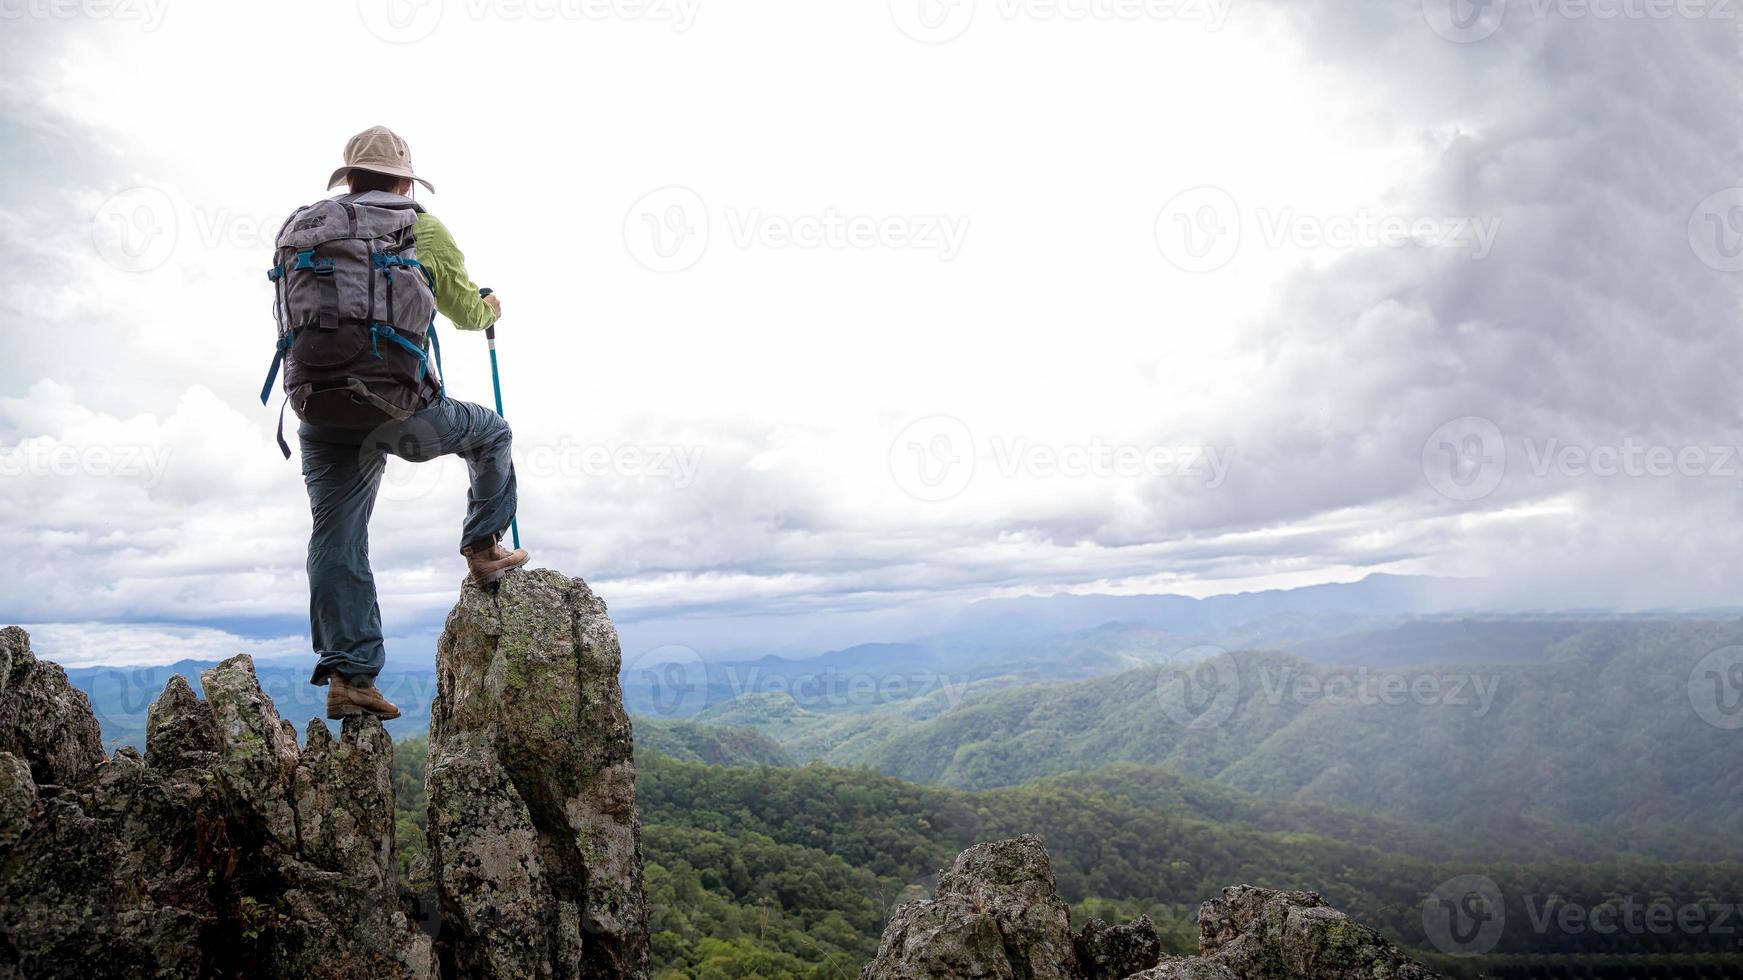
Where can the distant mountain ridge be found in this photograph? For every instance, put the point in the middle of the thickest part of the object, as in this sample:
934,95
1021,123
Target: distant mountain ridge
1597,729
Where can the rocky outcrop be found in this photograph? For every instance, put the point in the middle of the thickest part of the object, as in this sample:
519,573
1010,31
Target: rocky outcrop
1259,934
225,851
228,850
535,846
43,719
998,916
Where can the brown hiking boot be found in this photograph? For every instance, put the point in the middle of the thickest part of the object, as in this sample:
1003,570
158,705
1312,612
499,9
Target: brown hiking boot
488,560
345,701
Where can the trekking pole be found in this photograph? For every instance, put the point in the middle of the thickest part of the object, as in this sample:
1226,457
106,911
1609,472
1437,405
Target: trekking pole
496,383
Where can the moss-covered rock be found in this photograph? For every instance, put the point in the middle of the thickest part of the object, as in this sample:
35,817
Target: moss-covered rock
535,844
224,851
1261,934
44,720
997,916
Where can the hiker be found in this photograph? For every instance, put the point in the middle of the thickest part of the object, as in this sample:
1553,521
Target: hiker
358,282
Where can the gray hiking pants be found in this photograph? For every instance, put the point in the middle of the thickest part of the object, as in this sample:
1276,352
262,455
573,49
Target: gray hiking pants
342,469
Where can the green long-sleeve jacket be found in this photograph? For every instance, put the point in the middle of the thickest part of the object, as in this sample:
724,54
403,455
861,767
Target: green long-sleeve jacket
456,295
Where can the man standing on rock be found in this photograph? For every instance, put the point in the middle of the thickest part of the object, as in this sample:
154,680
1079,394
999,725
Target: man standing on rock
358,282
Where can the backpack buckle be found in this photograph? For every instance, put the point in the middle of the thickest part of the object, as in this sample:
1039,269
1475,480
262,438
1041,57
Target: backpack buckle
320,267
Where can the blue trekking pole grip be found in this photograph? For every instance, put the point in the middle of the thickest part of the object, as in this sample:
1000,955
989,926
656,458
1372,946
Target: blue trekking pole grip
496,385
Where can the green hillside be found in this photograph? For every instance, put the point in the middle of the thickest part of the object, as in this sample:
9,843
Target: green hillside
1597,734
790,872
717,745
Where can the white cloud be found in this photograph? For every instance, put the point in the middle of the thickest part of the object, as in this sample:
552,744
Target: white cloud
150,644
781,376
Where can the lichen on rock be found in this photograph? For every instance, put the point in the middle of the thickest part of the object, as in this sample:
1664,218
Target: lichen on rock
223,851
535,844
997,916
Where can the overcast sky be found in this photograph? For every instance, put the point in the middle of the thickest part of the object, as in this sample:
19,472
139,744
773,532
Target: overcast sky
819,316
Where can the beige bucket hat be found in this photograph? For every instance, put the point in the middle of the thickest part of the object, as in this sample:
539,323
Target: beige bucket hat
378,150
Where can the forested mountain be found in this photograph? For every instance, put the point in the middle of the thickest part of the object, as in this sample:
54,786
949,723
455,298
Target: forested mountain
1596,730
791,872
718,745
789,804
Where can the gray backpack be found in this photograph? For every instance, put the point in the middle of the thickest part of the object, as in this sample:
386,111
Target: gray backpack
356,314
